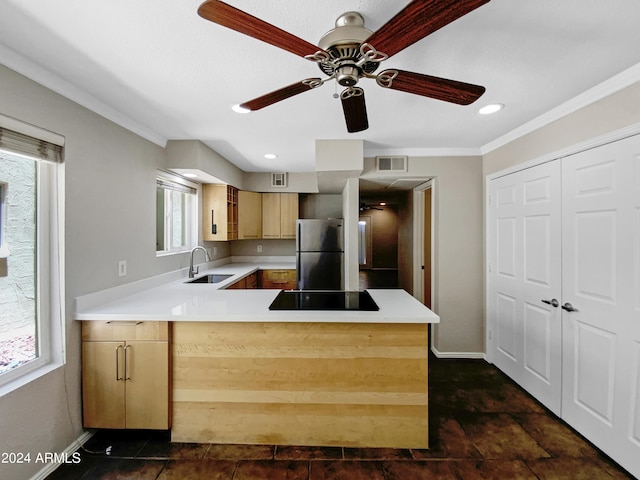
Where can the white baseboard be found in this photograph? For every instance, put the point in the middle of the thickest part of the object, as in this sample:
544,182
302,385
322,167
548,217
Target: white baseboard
50,467
461,355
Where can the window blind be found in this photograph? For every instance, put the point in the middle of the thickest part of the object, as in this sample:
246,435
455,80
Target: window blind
171,185
22,144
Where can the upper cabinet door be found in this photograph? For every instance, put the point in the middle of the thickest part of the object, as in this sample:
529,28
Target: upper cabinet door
288,214
279,215
271,225
249,215
219,212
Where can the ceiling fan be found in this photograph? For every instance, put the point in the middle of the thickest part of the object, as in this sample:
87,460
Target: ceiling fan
365,207
350,52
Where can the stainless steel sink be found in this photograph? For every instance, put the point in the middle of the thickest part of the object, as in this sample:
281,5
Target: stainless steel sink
212,278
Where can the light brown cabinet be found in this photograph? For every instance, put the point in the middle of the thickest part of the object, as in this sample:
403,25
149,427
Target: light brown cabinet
219,212
280,279
125,375
279,215
248,282
249,215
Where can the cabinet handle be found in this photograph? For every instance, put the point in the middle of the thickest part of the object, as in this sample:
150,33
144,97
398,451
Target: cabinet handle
126,363
118,377
116,323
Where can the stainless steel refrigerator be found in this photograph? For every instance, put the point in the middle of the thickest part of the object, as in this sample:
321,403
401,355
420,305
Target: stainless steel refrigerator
320,254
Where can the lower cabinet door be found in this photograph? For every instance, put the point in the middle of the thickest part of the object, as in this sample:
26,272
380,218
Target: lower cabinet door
147,385
103,385
126,385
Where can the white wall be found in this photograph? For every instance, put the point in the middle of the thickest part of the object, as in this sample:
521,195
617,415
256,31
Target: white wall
350,211
110,216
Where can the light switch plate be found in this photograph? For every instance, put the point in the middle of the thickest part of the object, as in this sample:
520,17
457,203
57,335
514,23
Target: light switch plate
122,268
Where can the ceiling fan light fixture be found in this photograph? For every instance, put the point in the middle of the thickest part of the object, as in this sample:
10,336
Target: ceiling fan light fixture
238,108
492,108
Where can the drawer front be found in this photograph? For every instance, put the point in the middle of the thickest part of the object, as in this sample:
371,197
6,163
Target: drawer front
279,284
124,330
276,275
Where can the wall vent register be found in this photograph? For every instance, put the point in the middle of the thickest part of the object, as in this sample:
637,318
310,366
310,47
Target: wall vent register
391,164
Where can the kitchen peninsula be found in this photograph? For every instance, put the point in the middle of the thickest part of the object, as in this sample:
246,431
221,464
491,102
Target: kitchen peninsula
241,373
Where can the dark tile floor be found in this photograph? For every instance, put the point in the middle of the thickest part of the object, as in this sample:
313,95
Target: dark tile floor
378,279
483,426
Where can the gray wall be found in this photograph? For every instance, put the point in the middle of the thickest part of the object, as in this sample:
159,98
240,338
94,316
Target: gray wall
458,241
614,112
110,216
321,206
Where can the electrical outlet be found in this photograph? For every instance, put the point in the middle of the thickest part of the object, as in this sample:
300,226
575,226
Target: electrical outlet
259,248
122,268
215,251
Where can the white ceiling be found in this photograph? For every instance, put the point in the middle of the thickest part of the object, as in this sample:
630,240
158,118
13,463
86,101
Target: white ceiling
158,68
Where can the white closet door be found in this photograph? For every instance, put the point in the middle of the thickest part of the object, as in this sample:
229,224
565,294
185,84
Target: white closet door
601,280
525,280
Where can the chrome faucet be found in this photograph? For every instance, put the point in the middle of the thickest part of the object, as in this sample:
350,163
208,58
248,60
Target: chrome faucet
194,270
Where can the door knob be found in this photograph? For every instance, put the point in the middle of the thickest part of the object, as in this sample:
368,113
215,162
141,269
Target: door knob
553,302
569,308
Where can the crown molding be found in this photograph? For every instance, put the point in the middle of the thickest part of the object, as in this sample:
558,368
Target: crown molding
422,152
608,87
16,62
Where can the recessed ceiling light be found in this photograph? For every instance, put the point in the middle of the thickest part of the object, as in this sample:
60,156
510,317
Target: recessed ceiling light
190,175
270,156
240,109
489,109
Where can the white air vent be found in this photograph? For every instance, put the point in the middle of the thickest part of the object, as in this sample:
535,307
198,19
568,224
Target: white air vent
391,164
278,179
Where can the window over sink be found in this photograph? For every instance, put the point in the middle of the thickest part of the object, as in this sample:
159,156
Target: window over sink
176,209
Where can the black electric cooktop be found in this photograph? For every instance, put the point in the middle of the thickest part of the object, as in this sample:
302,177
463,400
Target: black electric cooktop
323,300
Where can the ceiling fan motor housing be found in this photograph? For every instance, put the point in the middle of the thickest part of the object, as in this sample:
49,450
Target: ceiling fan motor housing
343,44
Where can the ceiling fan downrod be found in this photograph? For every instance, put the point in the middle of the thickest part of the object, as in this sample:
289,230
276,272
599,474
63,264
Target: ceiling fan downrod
344,51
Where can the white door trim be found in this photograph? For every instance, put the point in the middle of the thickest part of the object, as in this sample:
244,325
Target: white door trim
418,237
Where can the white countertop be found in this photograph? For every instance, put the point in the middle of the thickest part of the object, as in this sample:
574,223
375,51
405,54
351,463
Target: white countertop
177,301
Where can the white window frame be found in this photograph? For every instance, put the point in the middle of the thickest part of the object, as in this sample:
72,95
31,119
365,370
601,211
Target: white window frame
191,215
4,250
50,314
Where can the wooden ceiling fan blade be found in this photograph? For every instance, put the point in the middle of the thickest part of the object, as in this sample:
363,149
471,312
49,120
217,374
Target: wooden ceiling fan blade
281,94
434,87
235,19
355,109
417,20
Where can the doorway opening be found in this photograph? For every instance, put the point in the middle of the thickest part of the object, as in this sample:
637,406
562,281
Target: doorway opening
378,245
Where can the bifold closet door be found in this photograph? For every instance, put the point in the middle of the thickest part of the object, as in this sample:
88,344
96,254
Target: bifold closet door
601,297
525,279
